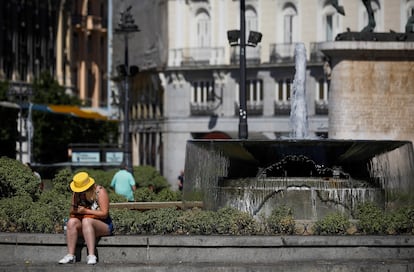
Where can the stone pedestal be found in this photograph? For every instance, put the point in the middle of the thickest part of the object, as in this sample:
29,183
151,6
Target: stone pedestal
372,90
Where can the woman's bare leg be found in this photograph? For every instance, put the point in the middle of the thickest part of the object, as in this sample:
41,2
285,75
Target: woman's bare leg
91,229
72,232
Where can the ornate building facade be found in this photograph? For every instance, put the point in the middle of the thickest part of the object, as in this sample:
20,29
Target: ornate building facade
67,39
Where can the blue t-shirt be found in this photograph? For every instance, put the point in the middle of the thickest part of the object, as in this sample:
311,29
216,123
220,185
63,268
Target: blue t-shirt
122,182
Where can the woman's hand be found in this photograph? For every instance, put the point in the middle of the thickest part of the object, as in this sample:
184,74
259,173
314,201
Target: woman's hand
82,210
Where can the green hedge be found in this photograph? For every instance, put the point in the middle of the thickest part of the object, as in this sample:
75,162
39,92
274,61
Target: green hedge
23,208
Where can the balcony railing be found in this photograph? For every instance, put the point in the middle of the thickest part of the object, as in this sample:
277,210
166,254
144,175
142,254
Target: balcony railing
196,56
253,108
316,54
282,52
282,107
201,109
321,107
252,55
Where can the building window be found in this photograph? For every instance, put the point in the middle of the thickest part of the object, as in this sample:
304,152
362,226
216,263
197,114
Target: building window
91,88
254,96
284,90
408,12
289,22
329,28
331,22
254,91
200,91
251,20
202,97
321,102
203,29
283,94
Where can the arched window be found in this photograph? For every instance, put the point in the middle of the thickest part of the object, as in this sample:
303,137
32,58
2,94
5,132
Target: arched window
251,20
331,22
289,22
407,12
203,29
410,9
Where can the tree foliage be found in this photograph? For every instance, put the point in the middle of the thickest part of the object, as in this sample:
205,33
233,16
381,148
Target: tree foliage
54,132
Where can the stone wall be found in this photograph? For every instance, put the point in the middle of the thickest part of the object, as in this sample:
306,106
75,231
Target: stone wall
372,90
40,252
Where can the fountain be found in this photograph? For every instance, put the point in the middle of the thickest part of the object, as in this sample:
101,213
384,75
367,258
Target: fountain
315,177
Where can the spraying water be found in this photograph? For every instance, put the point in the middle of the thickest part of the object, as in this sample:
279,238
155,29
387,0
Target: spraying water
298,113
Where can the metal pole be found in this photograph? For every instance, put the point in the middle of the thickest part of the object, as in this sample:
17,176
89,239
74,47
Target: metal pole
127,149
126,26
243,131
20,127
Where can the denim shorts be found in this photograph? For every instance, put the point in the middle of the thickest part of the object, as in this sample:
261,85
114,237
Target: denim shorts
110,224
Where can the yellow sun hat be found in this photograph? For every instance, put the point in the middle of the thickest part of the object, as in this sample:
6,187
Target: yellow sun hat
81,182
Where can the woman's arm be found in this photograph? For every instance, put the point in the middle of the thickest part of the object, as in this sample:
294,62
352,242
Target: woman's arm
73,205
103,201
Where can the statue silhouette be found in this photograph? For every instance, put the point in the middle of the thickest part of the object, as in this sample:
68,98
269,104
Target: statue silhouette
371,20
367,3
339,9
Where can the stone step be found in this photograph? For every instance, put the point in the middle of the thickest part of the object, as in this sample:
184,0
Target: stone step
41,252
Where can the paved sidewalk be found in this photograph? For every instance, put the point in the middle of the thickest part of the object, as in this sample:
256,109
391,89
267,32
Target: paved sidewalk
309,266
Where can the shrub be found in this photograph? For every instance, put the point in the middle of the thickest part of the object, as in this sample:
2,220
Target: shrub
281,221
161,221
11,211
16,179
167,194
334,223
371,219
124,221
401,221
144,194
40,219
197,222
146,175
235,222
61,182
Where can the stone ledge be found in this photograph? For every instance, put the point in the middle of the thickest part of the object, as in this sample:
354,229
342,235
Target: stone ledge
217,240
168,249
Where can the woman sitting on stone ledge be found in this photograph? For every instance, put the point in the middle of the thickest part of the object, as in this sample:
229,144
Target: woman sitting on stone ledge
89,216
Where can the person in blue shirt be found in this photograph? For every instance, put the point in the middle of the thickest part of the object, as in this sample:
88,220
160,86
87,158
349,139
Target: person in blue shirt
123,183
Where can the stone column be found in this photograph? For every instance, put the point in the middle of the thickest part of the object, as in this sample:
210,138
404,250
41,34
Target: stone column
372,90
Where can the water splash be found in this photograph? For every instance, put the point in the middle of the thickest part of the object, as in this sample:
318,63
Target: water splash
298,113
394,171
310,198
203,184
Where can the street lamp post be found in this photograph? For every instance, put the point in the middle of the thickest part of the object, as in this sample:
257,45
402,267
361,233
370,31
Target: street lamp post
243,131
238,37
126,25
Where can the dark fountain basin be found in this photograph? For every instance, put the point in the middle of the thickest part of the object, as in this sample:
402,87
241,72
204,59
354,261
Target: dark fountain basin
313,177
